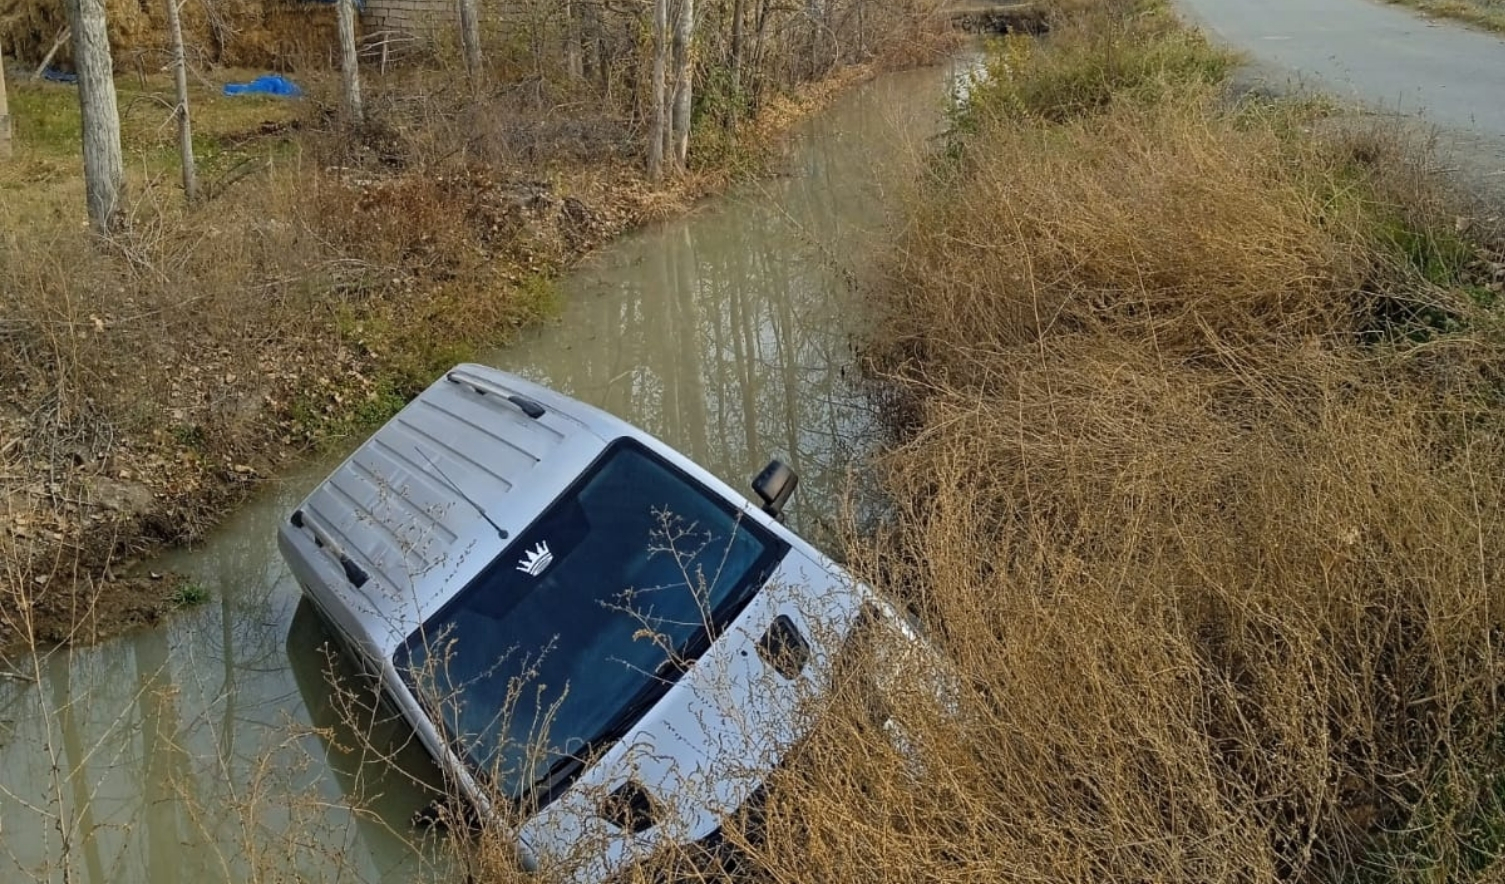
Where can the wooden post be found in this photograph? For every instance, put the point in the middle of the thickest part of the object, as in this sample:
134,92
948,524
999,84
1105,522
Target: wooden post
104,168
470,37
5,146
185,126
350,70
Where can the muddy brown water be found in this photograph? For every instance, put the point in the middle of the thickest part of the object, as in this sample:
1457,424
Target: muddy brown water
210,749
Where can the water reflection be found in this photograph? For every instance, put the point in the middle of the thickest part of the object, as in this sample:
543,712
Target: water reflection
730,334
186,753
211,749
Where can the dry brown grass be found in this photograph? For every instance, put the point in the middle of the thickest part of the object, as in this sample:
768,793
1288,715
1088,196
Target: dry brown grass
152,379
1212,533
1214,629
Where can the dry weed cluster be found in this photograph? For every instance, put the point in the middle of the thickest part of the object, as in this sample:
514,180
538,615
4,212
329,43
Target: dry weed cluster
1200,486
152,380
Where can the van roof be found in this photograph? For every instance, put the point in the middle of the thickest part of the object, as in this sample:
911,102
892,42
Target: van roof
433,496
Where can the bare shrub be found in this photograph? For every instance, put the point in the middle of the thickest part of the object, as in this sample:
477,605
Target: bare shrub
1209,530
1203,642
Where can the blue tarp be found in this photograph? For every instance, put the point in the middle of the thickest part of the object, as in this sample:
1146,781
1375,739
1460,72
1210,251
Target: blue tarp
270,84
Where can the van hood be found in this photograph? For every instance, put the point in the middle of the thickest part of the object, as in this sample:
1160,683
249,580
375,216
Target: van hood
710,742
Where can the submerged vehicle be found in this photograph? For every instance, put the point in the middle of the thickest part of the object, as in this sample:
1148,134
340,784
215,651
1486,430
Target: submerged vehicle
597,640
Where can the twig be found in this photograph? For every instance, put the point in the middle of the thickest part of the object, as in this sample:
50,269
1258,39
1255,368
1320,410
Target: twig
203,80
17,676
149,98
62,37
245,167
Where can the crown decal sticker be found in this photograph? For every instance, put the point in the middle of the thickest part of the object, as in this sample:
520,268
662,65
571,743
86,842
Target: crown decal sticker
536,560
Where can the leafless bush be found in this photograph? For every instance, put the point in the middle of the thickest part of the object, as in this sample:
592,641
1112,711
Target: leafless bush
1210,528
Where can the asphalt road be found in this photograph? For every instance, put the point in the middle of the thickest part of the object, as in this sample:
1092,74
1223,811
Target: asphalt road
1388,58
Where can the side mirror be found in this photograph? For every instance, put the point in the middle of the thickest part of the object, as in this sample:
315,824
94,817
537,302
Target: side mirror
775,485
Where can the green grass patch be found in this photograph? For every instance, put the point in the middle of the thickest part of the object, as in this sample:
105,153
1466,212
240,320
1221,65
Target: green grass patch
1487,14
1457,832
188,594
1438,256
1137,54
227,131
405,351
45,118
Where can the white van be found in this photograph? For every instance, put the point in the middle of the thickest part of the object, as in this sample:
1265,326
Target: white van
585,628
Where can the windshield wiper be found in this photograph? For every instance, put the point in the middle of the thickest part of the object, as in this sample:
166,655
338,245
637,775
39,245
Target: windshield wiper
629,714
561,771
567,767
705,635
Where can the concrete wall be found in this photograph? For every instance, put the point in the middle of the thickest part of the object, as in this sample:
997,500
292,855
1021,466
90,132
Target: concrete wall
418,17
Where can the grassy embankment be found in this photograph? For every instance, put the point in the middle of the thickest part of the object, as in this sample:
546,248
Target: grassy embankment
1201,483
329,274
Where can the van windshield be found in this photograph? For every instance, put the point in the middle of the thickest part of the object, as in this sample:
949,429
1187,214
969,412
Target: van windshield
564,640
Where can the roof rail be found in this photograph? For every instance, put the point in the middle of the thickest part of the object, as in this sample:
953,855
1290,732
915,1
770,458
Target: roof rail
528,406
354,573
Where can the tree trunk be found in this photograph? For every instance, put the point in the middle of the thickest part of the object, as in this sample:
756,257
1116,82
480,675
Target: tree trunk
815,12
683,81
759,75
660,62
739,15
862,28
598,58
185,125
574,56
5,147
104,169
350,71
470,37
